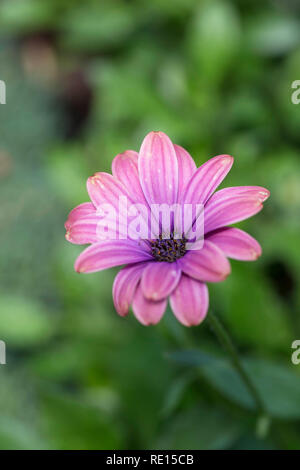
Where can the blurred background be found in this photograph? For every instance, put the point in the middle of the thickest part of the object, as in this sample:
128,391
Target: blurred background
85,81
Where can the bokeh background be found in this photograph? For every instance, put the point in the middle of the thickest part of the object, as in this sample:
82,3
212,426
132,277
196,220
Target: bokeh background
85,81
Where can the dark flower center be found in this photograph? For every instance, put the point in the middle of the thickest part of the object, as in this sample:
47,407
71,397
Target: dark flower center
168,249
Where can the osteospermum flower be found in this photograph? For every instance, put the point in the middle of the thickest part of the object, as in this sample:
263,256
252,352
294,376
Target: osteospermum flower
161,268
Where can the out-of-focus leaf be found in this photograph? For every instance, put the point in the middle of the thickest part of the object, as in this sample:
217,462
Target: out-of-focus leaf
138,370
213,40
249,442
25,15
200,427
14,435
191,358
175,393
24,322
73,424
98,26
252,309
67,171
273,35
278,385
173,81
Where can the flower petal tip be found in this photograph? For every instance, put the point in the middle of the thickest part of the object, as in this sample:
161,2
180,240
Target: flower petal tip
96,180
68,234
255,255
226,273
91,179
78,267
123,310
263,195
191,324
227,159
224,161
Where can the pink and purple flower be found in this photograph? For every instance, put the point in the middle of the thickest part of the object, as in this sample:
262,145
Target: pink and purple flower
158,269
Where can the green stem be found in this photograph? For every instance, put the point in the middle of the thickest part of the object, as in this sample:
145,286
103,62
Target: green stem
226,342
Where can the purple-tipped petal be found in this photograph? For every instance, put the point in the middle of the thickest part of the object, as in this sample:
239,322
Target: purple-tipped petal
236,243
159,279
231,205
125,285
109,253
206,179
189,301
79,212
158,169
125,169
147,311
186,168
208,264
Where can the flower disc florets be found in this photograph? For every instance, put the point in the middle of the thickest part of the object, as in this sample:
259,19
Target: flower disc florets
168,249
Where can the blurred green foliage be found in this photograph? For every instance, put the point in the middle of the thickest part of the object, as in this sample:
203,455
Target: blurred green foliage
85,81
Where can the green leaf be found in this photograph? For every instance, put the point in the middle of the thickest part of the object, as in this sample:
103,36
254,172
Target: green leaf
26,15
175,393
200,427
24,322
251,308
214,39
71,423
278,385
192,357
97,26
271,34
15,435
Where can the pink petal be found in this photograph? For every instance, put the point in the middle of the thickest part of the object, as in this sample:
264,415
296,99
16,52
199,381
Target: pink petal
87,208
125,169
236,243
189,301
147,311
159,280
93,229
208,264
103,188
206,179
257,192
125,285
83,230
186,168
109,253
158,169
231,205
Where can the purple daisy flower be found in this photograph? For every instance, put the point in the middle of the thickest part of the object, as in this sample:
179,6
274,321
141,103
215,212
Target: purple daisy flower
162,268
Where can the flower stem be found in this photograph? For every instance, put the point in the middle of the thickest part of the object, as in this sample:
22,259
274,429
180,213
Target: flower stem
225,340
